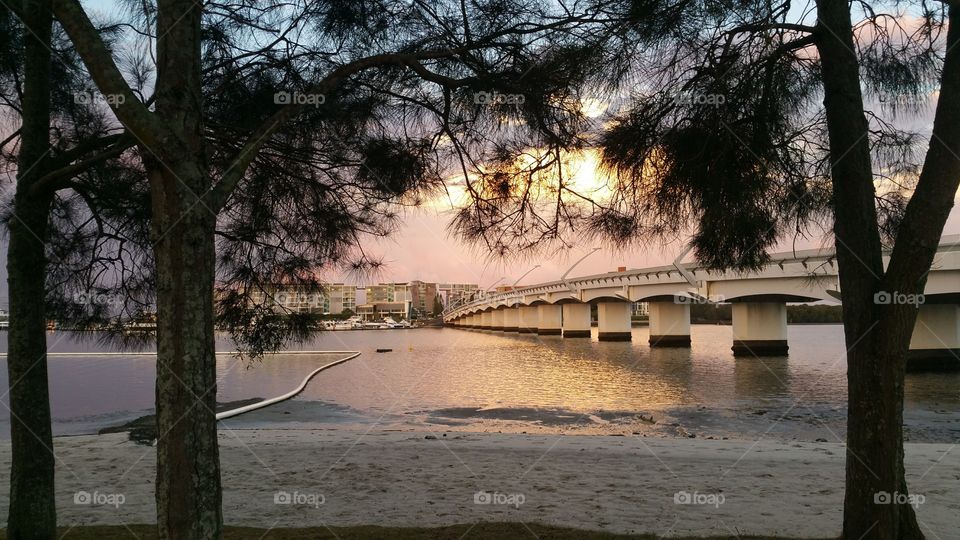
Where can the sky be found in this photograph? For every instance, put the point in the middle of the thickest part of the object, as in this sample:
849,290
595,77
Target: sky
423,249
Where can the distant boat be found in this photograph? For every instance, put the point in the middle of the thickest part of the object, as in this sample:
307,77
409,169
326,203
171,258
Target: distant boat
373,325
391,323
140,326
357,323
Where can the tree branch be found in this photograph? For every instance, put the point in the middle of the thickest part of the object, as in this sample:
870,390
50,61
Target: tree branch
59,178
932,200
218,194
131,112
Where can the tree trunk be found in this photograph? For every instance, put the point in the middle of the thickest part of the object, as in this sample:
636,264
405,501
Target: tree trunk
188,461
188,472
32,512
876,346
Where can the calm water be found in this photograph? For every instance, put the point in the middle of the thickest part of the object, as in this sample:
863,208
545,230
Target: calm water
469,380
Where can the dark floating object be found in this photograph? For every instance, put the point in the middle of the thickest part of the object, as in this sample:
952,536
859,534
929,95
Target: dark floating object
384,350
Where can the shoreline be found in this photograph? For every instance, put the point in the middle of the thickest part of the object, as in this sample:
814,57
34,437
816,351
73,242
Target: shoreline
432,478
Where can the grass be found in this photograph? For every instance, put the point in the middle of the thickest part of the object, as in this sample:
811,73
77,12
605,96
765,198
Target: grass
368,532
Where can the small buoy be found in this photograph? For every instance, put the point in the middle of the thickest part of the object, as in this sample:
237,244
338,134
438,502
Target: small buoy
384,350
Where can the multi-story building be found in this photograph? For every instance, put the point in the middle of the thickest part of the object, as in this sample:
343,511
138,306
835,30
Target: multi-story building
378,310
641,309
422,297
452,294
341,297
397,299
388,292
335,298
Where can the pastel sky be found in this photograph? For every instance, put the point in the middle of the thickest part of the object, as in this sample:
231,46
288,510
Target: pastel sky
423,249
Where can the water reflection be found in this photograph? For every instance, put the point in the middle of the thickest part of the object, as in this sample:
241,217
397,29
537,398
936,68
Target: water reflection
464,379
761,378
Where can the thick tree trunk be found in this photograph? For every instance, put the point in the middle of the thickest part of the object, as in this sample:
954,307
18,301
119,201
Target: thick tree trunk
188,462
32,512
876,339
188,473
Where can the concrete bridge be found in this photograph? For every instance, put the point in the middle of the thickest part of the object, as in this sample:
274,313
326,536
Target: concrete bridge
758,299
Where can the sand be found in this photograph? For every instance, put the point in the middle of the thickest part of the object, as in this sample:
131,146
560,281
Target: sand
621,484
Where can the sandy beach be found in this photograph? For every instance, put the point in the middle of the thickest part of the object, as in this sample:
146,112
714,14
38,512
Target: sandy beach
619,484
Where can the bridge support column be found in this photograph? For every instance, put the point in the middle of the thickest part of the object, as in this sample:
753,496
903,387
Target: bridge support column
935,345
576,320
486,320
511,319
669,324
613,321
760,329
549,320
529,316
496,320
468,321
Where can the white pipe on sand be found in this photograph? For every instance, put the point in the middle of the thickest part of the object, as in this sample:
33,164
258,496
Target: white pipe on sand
288,395
153,353
247,408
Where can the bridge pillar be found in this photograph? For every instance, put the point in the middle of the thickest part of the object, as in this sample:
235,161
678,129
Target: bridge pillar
613,321
496,320
468,321
486,320
511,319
935,345
760,329
669,324
549,320
576,320
529,316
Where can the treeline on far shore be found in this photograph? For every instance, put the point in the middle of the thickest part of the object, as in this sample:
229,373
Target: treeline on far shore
800,313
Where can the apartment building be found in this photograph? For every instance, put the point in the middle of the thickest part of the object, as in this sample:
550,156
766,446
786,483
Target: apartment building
388,292
335,298
397,299
422,297
452,294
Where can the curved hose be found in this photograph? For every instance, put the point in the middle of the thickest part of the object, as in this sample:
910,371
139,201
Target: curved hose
154,353
267,402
